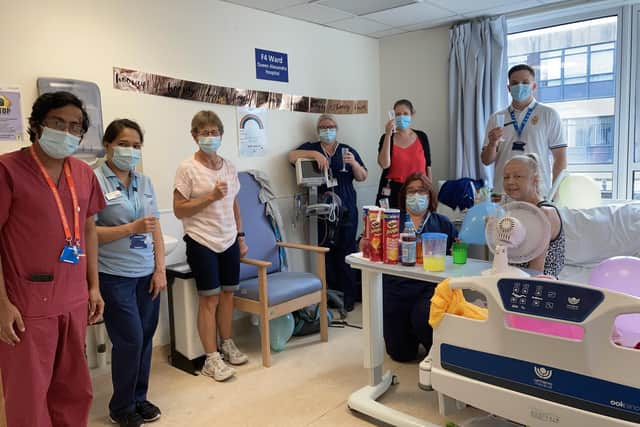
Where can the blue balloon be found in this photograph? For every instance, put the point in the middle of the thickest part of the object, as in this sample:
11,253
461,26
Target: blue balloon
472,230
280,330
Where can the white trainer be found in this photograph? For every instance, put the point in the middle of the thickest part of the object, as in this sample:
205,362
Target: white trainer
215,368
231,353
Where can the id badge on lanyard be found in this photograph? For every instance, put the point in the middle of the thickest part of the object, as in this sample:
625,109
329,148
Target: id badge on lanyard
71,252
519,144
137,241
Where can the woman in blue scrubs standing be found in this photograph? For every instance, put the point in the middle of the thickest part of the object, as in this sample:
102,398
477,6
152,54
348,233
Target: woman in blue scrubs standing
132,273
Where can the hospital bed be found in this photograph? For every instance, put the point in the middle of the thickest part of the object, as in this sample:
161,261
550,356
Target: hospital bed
532,378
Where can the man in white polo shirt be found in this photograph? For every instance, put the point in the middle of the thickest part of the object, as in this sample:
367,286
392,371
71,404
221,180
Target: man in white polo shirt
529,127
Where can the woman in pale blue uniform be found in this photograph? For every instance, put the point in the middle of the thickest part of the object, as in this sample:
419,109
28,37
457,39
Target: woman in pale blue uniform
132,274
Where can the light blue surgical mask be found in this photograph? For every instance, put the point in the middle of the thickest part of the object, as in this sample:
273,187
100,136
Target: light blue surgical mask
57,144
417,203
328,135
125,158
210,144
403,122
520,92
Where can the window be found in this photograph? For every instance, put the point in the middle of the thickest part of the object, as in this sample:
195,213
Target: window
577,71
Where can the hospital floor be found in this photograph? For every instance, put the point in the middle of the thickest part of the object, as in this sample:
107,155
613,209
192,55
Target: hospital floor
307,385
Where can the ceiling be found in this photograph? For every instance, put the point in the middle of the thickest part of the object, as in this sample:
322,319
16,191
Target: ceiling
381,18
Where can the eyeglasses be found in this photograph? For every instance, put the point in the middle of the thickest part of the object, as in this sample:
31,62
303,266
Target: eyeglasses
209,133
326,127
60,125
420,191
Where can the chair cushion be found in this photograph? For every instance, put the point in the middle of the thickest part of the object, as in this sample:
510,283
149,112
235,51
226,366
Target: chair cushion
282,286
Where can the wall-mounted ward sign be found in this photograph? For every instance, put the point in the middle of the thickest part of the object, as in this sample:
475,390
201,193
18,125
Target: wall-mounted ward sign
153,84
272,65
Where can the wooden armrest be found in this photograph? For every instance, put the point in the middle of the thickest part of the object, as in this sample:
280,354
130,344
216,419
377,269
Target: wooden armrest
256,262
318,249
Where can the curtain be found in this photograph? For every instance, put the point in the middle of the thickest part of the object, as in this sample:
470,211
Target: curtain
477,88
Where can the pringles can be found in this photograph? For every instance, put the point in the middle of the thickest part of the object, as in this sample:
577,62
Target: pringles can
391,236
374,224
366,232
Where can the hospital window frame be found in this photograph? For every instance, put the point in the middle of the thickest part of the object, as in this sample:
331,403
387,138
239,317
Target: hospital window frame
626,164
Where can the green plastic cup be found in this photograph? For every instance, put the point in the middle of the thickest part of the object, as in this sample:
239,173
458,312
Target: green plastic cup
459,251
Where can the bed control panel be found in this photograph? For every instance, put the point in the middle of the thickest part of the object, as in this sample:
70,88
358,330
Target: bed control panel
552,299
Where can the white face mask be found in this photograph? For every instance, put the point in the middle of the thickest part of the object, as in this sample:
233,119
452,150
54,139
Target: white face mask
57,144
125,158
210,144
417,203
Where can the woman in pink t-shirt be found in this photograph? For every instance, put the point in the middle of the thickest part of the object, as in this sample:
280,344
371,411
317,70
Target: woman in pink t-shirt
205,199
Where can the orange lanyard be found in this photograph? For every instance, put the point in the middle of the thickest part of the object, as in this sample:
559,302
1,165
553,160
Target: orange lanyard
56,196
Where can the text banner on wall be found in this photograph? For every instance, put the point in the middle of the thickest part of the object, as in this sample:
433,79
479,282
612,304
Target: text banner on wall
153,84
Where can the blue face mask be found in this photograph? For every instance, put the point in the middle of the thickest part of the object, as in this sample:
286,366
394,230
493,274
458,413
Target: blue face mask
125,158
403,122
210,144
417,203
57,144
328,135
521,92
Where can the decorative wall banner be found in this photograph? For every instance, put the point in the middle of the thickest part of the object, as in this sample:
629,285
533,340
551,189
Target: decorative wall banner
153,84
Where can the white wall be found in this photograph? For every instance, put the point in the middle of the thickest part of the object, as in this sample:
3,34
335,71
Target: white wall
415,66
200,40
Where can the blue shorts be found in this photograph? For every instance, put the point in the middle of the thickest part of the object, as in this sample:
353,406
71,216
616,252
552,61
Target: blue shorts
213,271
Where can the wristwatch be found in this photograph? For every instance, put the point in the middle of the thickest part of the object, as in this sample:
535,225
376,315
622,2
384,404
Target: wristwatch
241,234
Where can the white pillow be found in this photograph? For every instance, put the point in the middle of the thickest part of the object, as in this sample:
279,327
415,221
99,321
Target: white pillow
596,234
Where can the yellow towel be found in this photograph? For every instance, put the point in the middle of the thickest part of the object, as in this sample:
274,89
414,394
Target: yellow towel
447,300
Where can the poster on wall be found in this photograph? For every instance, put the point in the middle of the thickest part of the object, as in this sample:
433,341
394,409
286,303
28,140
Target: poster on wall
252,132
11,126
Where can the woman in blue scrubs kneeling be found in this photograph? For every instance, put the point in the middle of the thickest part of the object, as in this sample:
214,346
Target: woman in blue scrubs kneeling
132,274
406,301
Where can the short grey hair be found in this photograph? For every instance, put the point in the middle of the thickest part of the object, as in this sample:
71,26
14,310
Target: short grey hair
326,117
532,161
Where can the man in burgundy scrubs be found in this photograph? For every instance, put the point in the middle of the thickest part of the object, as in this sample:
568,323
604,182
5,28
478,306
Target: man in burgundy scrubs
48,269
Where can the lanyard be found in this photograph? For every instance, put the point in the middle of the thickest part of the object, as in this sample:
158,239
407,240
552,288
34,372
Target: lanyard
424,222
520,129
72,188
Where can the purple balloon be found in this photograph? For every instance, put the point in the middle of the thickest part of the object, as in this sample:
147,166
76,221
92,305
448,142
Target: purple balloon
621,274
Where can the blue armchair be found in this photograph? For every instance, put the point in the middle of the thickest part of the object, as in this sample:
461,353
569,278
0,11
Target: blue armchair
265,289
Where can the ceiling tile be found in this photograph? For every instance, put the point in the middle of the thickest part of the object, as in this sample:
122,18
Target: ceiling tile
359,25
363,7
314,13
435,23
463,6
387,33
268,5
409,15
505,8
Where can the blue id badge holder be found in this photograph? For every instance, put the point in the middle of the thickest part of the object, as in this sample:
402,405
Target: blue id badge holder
70,254
138,241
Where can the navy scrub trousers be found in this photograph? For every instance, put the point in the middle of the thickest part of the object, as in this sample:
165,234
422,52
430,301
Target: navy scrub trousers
131,317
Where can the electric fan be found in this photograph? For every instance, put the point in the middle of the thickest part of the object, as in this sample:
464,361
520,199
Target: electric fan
519,236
